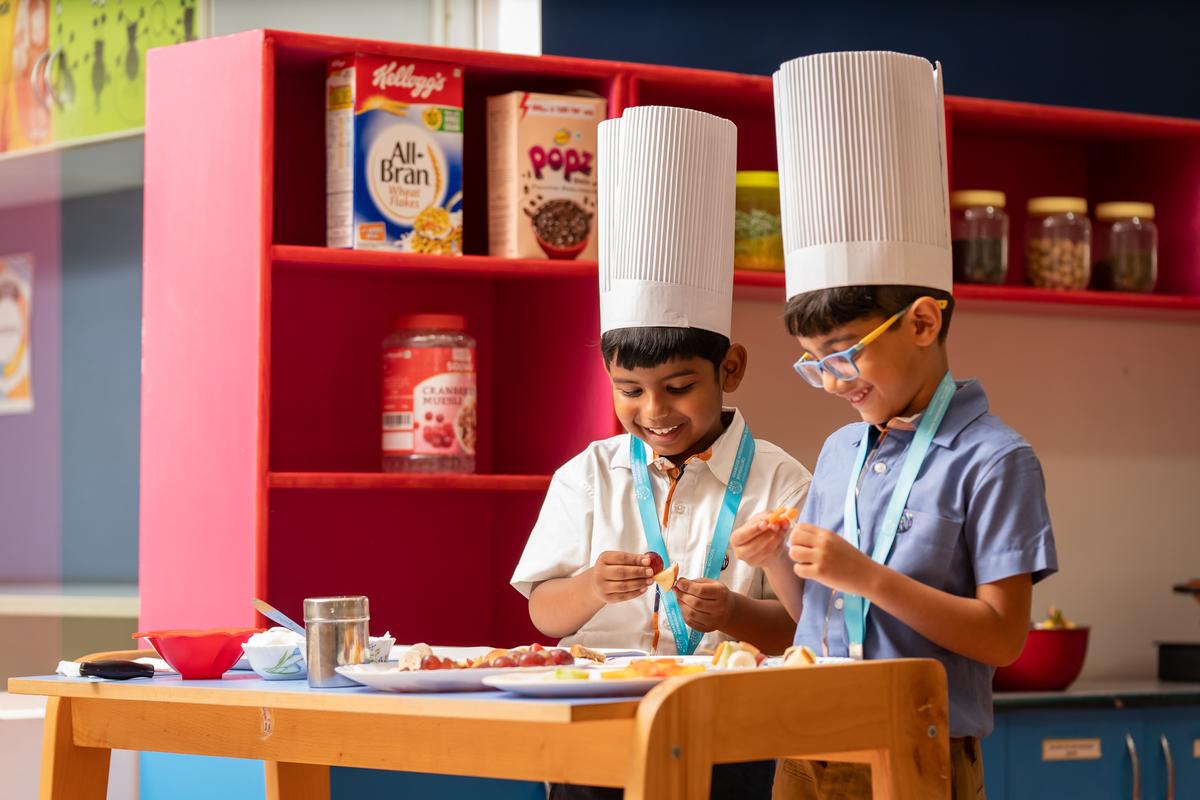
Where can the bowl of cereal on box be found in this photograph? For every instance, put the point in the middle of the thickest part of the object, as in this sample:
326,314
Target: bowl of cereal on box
1051,660
562,228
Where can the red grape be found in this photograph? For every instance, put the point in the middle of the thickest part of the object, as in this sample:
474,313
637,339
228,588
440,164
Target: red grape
561,658
502,662
536,647
656,562
532,660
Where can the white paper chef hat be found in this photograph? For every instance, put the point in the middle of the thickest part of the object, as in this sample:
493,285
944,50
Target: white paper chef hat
862,171
666,200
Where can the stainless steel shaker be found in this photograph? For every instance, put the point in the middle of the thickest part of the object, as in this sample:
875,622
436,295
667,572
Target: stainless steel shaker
336,634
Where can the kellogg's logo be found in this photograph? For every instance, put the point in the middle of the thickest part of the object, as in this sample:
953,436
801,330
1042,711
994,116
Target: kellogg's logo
405,77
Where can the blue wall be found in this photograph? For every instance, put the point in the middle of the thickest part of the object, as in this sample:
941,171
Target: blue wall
1132,57
101,385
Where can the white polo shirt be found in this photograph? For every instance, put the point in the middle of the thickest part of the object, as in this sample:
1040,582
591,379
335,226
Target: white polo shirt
590,508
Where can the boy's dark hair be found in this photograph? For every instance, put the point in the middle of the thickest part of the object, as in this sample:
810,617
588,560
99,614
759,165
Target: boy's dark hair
819,312
635,348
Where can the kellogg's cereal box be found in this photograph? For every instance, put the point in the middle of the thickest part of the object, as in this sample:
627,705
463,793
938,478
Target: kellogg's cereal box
542,175
393,141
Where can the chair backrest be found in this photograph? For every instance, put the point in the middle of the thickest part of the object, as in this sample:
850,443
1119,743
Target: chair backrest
118,655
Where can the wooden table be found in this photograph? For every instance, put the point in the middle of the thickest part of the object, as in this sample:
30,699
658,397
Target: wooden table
890,714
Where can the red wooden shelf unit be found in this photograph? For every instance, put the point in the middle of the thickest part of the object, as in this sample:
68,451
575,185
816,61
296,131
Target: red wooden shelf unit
260,394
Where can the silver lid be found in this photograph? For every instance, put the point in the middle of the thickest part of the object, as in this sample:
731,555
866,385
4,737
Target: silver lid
336,609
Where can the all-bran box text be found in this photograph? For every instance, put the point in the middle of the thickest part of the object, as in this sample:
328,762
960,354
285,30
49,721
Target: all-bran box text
393,146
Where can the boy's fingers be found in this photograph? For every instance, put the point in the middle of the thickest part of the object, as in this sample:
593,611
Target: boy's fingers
623,573
620,587
617,557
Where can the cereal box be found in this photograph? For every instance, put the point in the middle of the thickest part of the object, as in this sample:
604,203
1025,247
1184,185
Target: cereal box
393,141
542,175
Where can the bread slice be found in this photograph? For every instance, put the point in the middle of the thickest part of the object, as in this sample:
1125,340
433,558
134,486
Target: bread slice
579,651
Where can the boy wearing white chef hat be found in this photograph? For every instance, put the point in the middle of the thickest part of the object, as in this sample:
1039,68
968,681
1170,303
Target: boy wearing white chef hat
927,526
688,472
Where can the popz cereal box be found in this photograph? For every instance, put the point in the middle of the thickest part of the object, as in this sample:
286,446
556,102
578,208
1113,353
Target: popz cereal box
542,175
394,154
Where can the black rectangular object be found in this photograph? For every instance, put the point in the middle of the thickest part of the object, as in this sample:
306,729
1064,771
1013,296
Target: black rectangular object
1179,661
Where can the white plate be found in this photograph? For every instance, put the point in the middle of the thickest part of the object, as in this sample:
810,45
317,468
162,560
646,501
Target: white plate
545,685
386,678
777,661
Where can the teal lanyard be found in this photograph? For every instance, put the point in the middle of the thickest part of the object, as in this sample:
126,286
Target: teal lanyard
856,607
686,639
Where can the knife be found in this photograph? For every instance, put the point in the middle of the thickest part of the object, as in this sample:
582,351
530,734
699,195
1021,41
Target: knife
275,615
112,670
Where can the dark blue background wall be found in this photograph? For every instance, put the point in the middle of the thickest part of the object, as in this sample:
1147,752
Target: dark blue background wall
1133,57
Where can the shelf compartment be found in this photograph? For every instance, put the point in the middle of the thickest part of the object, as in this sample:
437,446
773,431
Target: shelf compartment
967,294
435,564
299,120
408,481
538,365
299,257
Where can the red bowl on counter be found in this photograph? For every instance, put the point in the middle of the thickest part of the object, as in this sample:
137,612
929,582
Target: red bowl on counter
1051,661
197,654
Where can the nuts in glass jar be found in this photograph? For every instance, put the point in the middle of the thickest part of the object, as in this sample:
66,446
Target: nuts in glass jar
1052,263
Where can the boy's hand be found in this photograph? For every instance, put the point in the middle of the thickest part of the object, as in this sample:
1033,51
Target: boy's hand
706,604
758,541
828,558
619,576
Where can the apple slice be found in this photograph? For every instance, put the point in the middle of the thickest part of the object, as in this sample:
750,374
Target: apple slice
666,579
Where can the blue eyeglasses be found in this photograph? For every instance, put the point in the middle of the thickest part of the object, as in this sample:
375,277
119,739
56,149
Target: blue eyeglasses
841,364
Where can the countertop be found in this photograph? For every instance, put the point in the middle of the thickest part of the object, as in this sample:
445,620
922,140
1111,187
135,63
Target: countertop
1105,694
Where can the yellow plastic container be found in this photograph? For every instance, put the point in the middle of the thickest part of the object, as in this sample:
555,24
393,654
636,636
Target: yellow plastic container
758,236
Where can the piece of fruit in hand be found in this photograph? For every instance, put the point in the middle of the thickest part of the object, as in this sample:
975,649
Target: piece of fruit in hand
656,562
783,514
667,578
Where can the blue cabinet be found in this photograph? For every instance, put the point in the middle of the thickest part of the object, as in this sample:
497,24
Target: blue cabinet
1171,755
1118,752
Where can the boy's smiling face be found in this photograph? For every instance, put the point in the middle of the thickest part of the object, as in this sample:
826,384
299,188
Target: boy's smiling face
897,372
675,407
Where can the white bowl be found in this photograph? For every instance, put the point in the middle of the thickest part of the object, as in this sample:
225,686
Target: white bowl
380,648
277,662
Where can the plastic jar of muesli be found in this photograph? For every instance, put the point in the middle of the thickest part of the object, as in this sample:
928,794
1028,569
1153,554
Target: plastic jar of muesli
429,395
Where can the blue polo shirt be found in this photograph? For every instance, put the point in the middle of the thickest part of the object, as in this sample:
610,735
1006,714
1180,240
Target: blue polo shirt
977,514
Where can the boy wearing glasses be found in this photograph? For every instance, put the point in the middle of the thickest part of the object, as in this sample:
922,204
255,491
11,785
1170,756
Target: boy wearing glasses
925,527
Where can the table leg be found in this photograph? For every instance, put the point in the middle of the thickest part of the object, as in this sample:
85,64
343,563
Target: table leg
288,781
70,772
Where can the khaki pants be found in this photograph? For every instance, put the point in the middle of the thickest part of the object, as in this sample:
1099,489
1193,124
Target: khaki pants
829,780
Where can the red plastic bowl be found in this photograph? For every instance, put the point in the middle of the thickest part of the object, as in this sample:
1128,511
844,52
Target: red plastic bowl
561,253
199,654
1050,662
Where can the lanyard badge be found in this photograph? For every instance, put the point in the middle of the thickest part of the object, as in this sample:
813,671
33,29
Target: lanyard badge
855,607
686,639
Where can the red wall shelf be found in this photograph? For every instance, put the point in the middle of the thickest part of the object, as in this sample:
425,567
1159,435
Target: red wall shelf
1008,297
260,409
302,257
409,481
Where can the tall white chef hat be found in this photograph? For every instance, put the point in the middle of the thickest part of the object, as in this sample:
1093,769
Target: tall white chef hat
666,203
862,163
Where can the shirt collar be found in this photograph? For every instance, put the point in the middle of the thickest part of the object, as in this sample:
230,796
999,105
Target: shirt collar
721,455
968,404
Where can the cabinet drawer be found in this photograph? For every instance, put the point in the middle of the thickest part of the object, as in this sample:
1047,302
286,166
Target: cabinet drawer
1077,753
